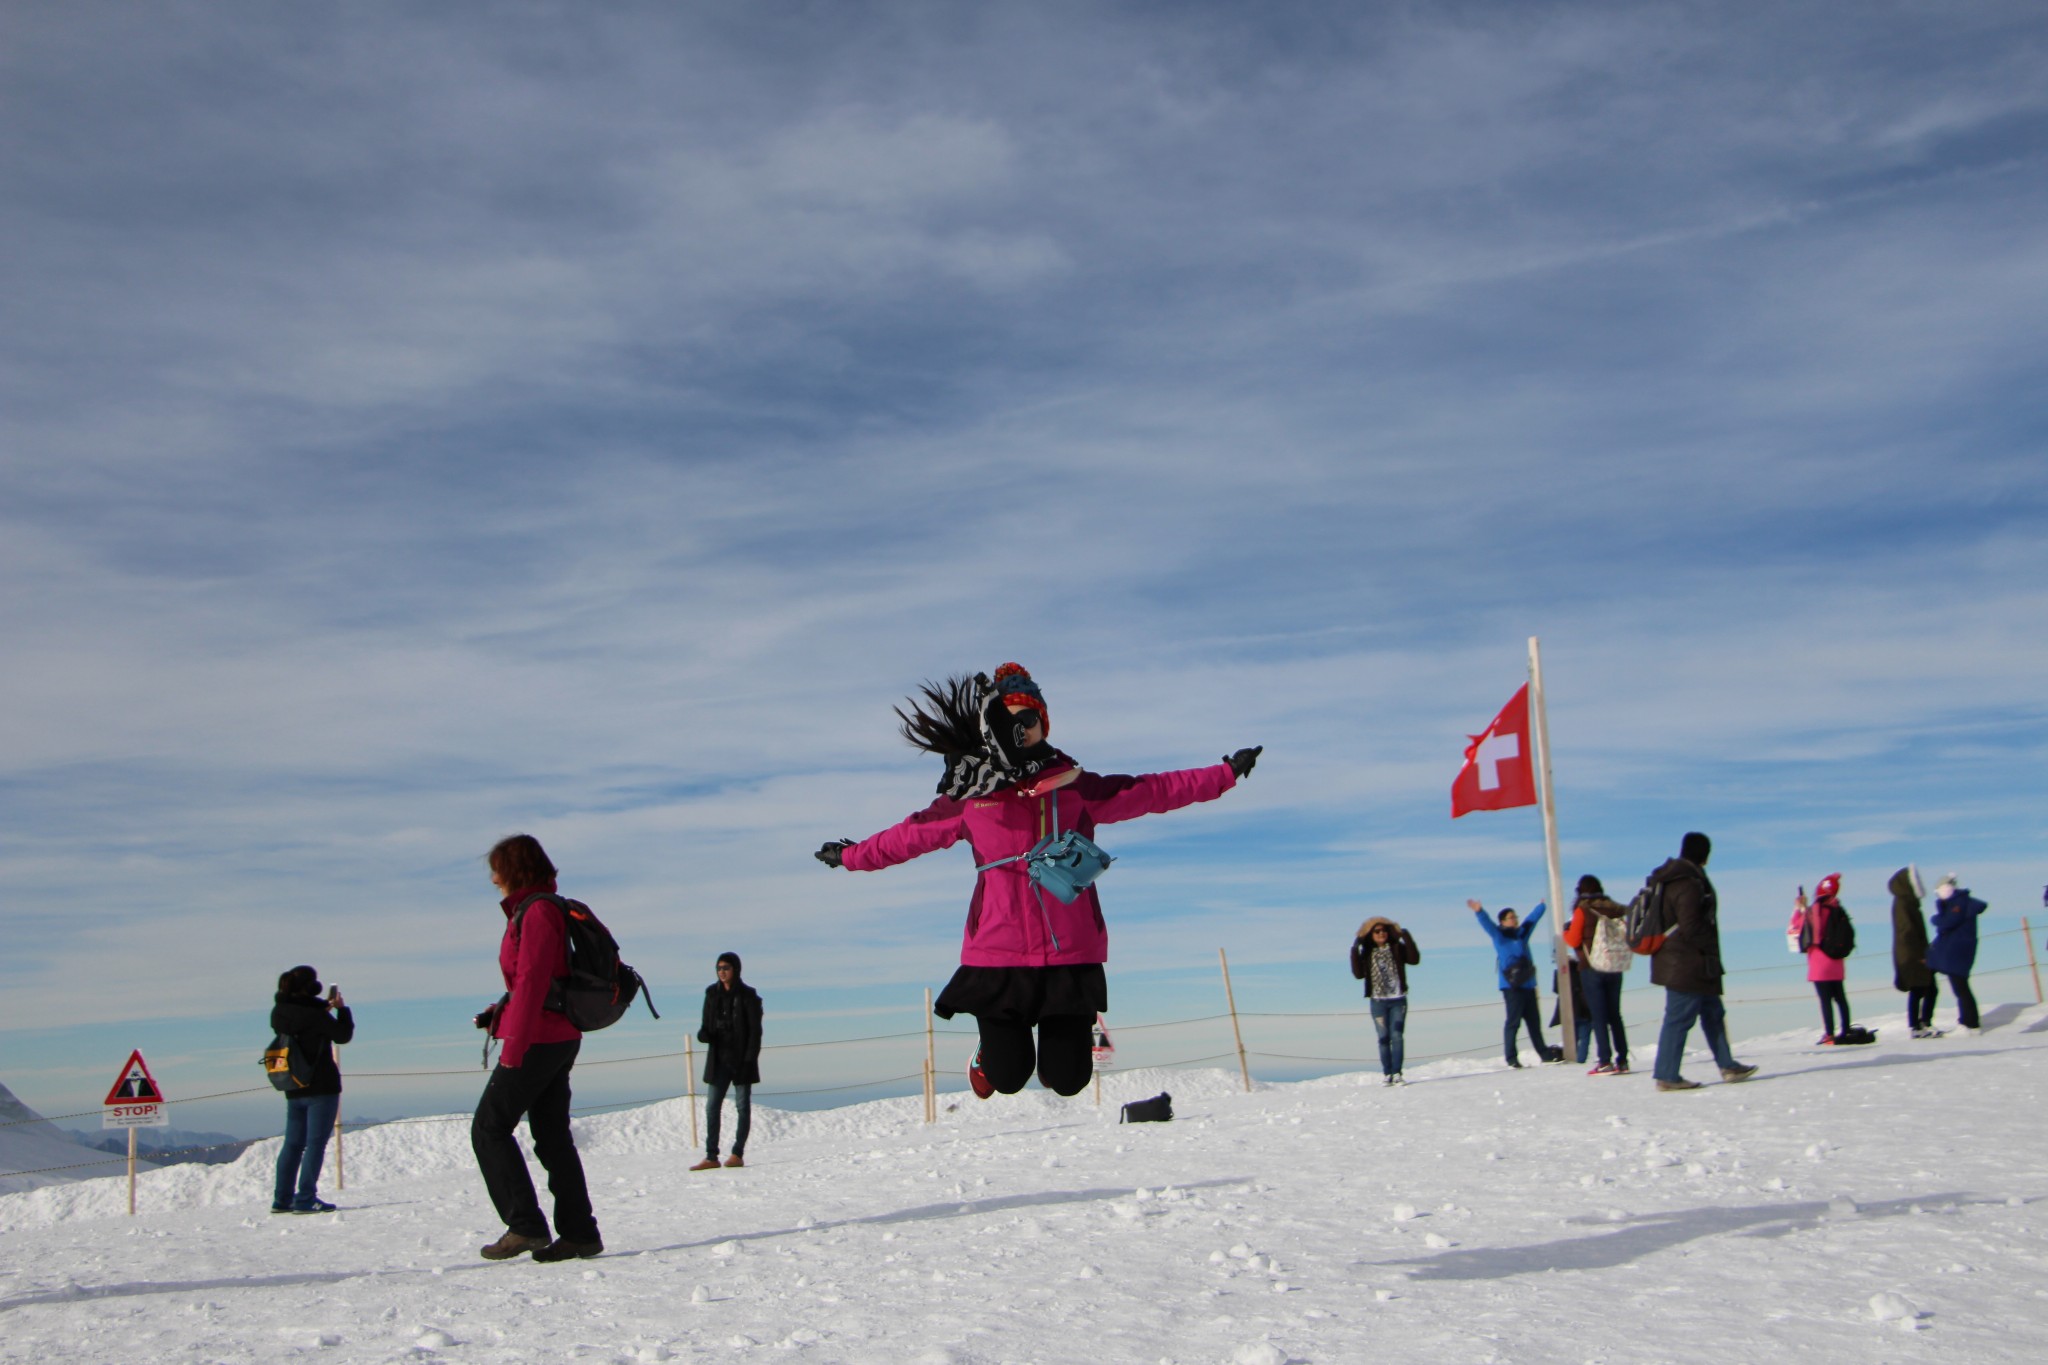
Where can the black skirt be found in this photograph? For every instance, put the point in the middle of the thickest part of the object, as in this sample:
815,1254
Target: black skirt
1025,995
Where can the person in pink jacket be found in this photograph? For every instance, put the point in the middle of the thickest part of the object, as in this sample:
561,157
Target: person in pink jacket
1028,959
1809,923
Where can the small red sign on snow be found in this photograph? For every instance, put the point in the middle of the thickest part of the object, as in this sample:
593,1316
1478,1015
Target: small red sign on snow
134,1085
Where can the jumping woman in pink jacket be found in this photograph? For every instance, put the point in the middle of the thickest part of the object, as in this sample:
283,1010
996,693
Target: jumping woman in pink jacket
1028,958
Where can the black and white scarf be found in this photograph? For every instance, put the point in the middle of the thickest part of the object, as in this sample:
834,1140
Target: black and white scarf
1001,761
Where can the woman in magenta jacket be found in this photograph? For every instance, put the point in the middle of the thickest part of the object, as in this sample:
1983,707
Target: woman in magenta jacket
1809,923
1027,959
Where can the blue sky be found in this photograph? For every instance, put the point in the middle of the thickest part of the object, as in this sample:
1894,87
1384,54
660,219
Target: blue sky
418,424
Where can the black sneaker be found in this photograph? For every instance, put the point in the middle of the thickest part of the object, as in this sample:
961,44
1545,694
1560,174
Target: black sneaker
562,1249
317,1206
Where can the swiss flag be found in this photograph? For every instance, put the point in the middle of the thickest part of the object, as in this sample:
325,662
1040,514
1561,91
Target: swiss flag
1499,770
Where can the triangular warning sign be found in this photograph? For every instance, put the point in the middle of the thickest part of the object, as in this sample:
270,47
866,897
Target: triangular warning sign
1105,1047
134,1085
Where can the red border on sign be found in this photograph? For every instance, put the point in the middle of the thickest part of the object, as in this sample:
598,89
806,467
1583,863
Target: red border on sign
114,1096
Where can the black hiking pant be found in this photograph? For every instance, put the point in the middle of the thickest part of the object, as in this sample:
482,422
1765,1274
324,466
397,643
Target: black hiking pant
1920,1007
1833,996
1064,1054
1966,1003
537,1090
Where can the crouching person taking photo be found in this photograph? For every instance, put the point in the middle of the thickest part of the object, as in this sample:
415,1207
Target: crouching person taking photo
531,1080
1380,957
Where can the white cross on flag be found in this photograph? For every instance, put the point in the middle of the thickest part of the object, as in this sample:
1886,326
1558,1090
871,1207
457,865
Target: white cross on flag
1499,770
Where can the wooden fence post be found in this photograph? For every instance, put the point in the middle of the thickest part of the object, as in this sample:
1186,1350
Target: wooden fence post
931,1063
2027,933
690,1085
1230,996
131,1172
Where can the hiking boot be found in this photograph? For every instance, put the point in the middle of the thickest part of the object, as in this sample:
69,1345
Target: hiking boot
562,1249
709,1163
735,1161
977,1079
1680,1084
513,1244
1738,1072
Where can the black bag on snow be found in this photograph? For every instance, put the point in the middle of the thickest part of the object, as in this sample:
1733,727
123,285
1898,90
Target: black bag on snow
598,988
1855,1037
1838,939
286,1064
1158,1109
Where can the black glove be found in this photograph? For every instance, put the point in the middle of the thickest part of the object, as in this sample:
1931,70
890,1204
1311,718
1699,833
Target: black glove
1241,762
829,855
489,1017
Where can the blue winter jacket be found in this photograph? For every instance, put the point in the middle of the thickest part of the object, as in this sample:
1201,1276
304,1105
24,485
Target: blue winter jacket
1954,950
1510,946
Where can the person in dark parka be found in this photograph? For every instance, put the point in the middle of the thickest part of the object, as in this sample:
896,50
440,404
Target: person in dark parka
732,1032
1910,972
1689,969
1954,950
315,1026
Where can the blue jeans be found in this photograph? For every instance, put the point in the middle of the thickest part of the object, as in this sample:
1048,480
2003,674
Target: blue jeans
1680,1009
308,1121
1603,1008
1519,1002
742,1105
1390,1020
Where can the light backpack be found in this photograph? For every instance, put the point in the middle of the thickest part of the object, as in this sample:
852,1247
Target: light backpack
1609,950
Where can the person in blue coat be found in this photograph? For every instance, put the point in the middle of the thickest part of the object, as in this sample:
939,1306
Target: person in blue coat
1954,950
1516,970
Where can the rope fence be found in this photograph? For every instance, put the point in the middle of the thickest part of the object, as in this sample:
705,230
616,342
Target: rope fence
925,1073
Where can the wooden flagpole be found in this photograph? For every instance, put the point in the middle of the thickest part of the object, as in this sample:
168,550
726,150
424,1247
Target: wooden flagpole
1559,912
131,1172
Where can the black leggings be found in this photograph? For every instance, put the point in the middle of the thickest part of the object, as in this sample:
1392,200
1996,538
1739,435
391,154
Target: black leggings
1832,996
1064,1055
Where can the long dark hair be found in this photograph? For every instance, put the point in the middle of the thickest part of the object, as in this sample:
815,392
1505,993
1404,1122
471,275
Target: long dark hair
298,981
942,719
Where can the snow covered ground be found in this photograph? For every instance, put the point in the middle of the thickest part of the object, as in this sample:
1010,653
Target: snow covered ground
1881,1204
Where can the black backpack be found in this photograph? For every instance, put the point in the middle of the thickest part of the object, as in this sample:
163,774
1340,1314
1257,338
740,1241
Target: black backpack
599,987
286,1064
1838,939
1649,920
1158,1109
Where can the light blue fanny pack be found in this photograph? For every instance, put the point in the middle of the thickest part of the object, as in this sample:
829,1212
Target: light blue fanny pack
1063,864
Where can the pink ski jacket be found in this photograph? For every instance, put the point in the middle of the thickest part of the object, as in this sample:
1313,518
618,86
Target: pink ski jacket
1010,922
1819,966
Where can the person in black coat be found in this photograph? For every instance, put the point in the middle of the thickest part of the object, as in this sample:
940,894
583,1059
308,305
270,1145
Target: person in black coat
732,1032
1910,972
1689,969
314,1025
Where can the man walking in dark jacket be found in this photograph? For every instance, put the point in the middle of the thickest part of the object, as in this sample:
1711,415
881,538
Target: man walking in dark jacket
1688,967
732,1031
